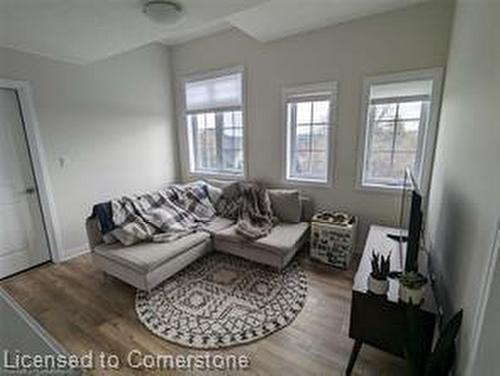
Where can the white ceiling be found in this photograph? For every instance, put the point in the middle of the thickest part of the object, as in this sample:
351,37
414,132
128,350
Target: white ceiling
83,31
277,19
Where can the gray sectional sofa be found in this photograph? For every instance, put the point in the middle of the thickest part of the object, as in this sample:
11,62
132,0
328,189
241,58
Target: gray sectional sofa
145,265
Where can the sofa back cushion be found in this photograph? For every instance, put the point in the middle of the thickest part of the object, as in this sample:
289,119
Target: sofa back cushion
93,233
216,188
307,208
286,204
219,183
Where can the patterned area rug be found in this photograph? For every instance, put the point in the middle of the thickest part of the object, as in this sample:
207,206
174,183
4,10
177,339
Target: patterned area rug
223,300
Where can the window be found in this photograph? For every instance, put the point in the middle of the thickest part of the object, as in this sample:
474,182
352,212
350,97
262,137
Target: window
399,129
215,123
309,114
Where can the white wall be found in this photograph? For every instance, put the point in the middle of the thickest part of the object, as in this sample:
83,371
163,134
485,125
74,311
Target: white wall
413,38
113,122
464,206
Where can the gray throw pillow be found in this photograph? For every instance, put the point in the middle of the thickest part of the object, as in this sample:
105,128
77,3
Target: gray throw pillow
286,204
214,193
216,189
220,183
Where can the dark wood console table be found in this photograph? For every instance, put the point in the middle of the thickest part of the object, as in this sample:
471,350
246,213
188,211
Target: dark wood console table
380,321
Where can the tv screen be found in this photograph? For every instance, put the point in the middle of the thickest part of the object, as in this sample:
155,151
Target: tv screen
410,221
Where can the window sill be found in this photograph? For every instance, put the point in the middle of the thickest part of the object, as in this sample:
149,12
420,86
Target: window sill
308,183
217,175
379,188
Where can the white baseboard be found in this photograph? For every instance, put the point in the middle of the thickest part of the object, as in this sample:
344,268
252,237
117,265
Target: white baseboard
75,252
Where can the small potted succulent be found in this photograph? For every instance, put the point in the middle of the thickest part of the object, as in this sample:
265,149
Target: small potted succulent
412,287
377,280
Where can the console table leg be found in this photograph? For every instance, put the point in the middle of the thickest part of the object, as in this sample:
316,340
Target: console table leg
354,355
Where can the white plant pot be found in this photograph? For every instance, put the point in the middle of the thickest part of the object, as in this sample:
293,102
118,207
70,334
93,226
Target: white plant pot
378,287
414,295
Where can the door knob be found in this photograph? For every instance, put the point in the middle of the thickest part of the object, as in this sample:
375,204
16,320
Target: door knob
30,191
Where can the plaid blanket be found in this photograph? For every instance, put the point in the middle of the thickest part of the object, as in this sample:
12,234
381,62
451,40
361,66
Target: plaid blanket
161,216
250,206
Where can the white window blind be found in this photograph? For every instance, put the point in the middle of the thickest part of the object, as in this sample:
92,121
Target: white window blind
214,93
309,125
215,124
401,91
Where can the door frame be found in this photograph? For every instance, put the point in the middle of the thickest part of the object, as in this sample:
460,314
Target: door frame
484,297
39,164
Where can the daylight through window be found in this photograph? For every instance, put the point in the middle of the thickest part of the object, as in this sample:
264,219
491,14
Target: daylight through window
397,117
309,123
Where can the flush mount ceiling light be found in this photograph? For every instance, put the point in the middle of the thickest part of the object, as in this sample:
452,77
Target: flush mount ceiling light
163,12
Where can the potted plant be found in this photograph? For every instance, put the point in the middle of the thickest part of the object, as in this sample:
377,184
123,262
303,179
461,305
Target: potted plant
422,361
412,287
378,282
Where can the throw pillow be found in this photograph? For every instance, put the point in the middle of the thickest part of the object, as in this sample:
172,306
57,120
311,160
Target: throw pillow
230,201
214,193
286,204
218,183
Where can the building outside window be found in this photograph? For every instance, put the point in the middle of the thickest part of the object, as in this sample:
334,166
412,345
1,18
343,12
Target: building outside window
309,119
399,127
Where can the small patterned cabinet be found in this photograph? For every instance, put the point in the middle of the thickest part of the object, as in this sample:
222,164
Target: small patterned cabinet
333,237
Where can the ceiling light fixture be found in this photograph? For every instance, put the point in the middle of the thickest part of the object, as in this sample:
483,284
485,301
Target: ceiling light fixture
163,12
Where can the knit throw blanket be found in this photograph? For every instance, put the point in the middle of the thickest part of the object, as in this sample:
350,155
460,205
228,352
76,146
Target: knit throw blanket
162,216
250,206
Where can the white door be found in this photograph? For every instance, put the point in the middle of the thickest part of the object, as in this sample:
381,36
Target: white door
488,329
23,240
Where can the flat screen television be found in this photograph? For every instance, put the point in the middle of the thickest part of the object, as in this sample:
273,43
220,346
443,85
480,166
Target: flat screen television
410,222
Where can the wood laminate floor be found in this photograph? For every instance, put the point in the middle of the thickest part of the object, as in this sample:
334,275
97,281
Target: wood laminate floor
85,311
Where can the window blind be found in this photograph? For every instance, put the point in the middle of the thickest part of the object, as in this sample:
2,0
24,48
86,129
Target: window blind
223,92
406,91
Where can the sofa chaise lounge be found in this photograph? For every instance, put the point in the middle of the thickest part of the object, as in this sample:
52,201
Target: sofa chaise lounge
145,265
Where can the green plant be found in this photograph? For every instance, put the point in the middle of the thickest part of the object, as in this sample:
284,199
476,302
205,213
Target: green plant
412,280
380,266
439,361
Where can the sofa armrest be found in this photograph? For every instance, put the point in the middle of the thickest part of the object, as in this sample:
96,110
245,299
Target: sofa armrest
93,233
307,208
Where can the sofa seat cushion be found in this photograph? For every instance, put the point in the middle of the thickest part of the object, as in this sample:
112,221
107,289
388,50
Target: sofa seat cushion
147,256
217,224
284,238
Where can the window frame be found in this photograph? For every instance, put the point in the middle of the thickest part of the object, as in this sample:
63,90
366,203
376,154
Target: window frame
428,137
192,171
312,89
